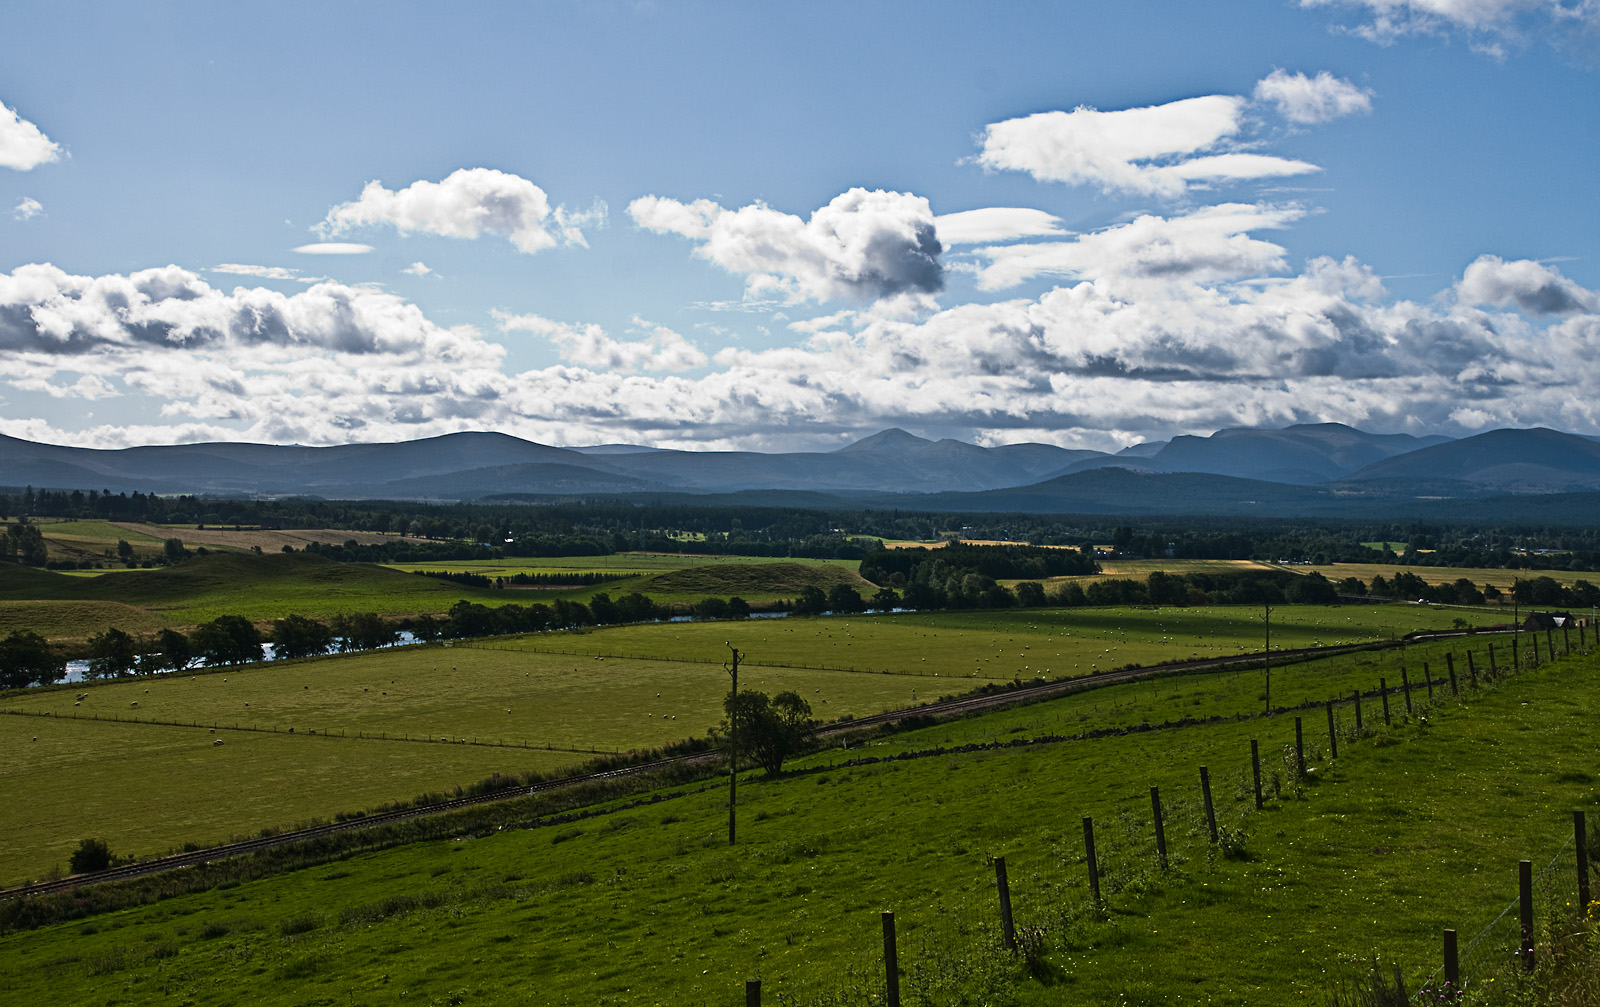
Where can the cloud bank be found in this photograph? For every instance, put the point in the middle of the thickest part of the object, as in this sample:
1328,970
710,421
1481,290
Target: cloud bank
1104,360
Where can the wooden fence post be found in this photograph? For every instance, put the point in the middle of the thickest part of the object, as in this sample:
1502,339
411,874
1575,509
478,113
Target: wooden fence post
752,993
1450,663
1094,865
1566,641
1550,643
1383,690
1452,964
1581,839
1472,669
1358,713
891,963
1299,750
1211,811
1533,638
1405,684
1008,931
1428,674
1494,670
1333,736
1161,829
1525,896
1255,768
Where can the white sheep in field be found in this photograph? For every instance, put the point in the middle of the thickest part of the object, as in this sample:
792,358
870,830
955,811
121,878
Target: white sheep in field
134,704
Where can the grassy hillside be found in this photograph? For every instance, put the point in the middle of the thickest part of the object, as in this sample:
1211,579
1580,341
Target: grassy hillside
756,580
1415,827
259,587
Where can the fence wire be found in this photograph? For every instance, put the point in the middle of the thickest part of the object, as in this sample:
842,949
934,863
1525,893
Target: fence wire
1503,939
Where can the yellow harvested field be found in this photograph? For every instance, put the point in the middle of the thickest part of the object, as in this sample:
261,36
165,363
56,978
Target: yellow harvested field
268,540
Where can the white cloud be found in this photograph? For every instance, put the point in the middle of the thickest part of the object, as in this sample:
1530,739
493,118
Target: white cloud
1116,354
469,202
334,248
1531,286
23,145
589,346
1487,24
1303,99
1206,246
1156,150
864,245
995,223
260,272
417,269
27,208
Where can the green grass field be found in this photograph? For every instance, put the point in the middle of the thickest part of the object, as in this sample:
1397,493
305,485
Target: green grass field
611,690
257,587
1412,829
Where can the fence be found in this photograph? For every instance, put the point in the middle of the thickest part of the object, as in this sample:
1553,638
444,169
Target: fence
1508,935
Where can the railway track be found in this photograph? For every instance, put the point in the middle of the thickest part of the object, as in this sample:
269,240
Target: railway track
1027,694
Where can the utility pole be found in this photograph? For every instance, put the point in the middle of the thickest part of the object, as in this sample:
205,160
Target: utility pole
733,739
1516,622
1268,608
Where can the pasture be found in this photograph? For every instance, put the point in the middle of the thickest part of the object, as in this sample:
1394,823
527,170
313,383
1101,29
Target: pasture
570,695
1411,829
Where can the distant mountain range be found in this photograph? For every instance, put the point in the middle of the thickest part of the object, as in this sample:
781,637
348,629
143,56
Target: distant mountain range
1310,469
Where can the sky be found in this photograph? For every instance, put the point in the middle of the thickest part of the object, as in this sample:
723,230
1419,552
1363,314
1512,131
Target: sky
785,226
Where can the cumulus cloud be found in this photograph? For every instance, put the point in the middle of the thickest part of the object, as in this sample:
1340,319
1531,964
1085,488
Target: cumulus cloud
589,346
1207,245
467,203
1159,150
995,223
1113,354
27,208
334,248
1307,100
23,146
1531,286
863,246
418,269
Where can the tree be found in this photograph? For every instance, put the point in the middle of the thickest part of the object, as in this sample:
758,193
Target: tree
112,654
845,599
170,653
26,658
30,544
172,551
298,636
811,601
91,855
770,729
227,639
125,551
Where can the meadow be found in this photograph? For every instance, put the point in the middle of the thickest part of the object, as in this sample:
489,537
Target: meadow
567,696
1414,827
97,540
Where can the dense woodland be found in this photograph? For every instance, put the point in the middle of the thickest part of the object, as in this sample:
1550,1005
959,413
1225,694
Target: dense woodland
444,532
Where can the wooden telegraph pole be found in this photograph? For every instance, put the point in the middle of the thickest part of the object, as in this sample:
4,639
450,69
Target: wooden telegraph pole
733,740
1269,656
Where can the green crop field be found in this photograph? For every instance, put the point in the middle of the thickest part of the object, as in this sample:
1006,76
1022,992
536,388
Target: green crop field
1001,644
1413,828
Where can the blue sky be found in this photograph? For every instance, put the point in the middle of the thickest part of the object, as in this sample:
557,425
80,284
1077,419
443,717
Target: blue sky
746,224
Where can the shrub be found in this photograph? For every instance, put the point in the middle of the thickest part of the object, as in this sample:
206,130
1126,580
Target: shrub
91,855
